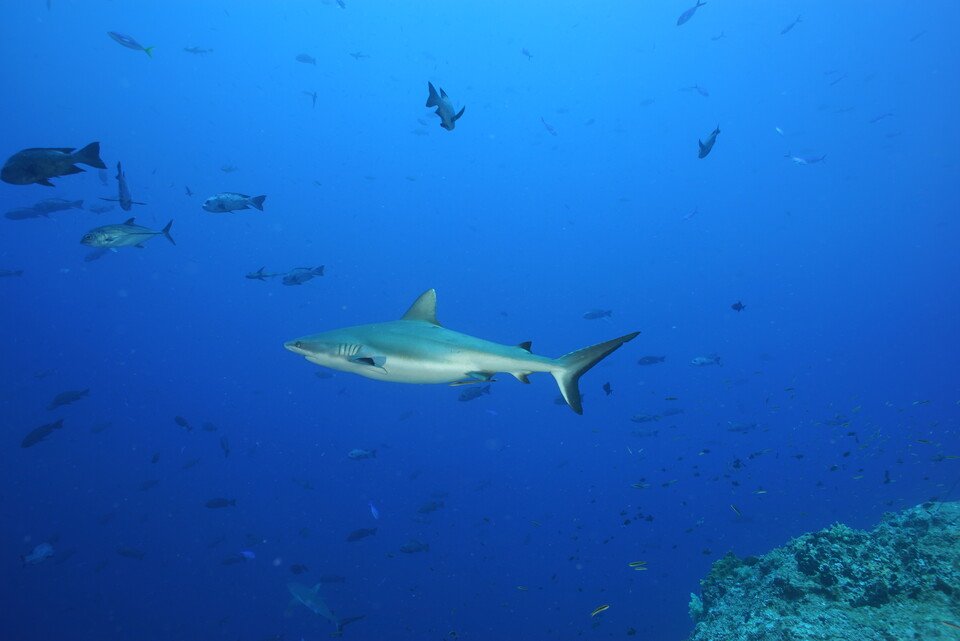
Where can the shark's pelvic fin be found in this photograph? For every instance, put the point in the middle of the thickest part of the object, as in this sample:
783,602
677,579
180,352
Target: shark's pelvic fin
424,308
575,364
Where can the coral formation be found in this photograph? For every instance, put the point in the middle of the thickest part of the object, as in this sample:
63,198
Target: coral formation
900,581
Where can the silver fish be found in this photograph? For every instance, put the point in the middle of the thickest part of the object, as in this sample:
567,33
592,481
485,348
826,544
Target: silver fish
127,234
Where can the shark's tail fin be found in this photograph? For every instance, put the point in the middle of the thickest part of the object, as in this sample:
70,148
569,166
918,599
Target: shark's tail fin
575,364
343,622
166,232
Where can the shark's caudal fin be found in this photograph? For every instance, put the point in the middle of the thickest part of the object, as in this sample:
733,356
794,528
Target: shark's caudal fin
166,232
575,364
343,622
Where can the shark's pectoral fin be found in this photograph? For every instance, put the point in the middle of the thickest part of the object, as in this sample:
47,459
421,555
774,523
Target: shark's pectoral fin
457,117
372,361
475,377
522,377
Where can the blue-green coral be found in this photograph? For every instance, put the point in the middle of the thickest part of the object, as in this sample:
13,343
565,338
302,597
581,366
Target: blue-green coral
901,581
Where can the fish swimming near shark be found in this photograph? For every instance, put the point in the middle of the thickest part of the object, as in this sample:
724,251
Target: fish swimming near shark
127,234
311,599
39,165
448,116
417,349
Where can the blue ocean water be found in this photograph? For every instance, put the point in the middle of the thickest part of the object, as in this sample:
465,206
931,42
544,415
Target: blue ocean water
570,184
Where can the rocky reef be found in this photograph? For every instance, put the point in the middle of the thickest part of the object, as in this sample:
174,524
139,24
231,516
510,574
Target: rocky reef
898,582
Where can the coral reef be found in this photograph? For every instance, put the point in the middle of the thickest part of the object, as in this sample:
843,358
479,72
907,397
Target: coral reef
899,582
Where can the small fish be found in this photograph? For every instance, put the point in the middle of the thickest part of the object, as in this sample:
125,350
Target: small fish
39,554
182,422
187,190
686,15
300,275
50,205
39,165
313,96
594,314
358,454
197,50
703,361
804,160
553,132
734,508
229,169
153,459
127,234
129,43
262,275
715,38
644,418
602,608
790,26
131,552
706,147
607,389
527,54
298,569
306,59
413,546
472,393
635,564
37,434
341,4
357,55
445,109
149,484
225,446
700,90
651,360
24,213
373,510
738,306
6,273
65,398
229,201
430,506
221,502
360,533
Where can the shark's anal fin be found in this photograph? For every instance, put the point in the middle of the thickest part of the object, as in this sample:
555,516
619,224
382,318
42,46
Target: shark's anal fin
475,377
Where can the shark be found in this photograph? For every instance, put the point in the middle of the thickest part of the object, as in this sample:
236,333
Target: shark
418,349
311,599
445,109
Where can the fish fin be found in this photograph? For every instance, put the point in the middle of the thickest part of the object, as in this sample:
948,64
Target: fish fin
481,376
89,155
72,169
525,345
319,270
717,130
139,246
702,146
166,232
343,622
457,117
45,182
575,364
147,51
522,377
424,308
129,221
372,361
434,99
257,201
111,200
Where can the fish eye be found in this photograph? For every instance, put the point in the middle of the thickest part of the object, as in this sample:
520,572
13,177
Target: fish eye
298,344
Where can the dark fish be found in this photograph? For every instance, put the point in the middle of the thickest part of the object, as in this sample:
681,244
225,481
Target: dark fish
705,147
233,560
607,389
155,458
594,314
445,108
333,578
225,446
219,502
472,393
300,275
651,360
182,422
5,273
131,552
700,90
553,132
686,15
149,485
65,398
361,533
24,213
313,96
216,541
307,59
644,418
737,306
39,433
262,275
231,201
413,546
208,427
50,205
341,4
527,54
299,569
357,55
790,26
187,190
186,465
197,50
39,165
430,506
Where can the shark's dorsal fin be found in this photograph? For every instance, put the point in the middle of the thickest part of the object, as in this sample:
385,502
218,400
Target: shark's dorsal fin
525,345
424,308
129,221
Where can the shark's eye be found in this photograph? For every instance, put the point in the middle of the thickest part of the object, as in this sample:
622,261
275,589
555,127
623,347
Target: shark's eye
298,344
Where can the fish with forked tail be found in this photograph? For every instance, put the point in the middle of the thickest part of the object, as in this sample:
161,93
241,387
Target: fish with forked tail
127,234
706,147
39,165
445,110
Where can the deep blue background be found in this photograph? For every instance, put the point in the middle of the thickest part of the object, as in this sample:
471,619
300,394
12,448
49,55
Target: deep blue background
848,270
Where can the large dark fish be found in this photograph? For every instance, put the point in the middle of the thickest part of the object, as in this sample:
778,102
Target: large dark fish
300,275
65,398
472,393
686,15
39,165
361,533
39,433
705,147
445,109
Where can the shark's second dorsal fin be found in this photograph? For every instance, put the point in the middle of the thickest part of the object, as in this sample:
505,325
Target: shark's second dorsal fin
525,345
424,308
